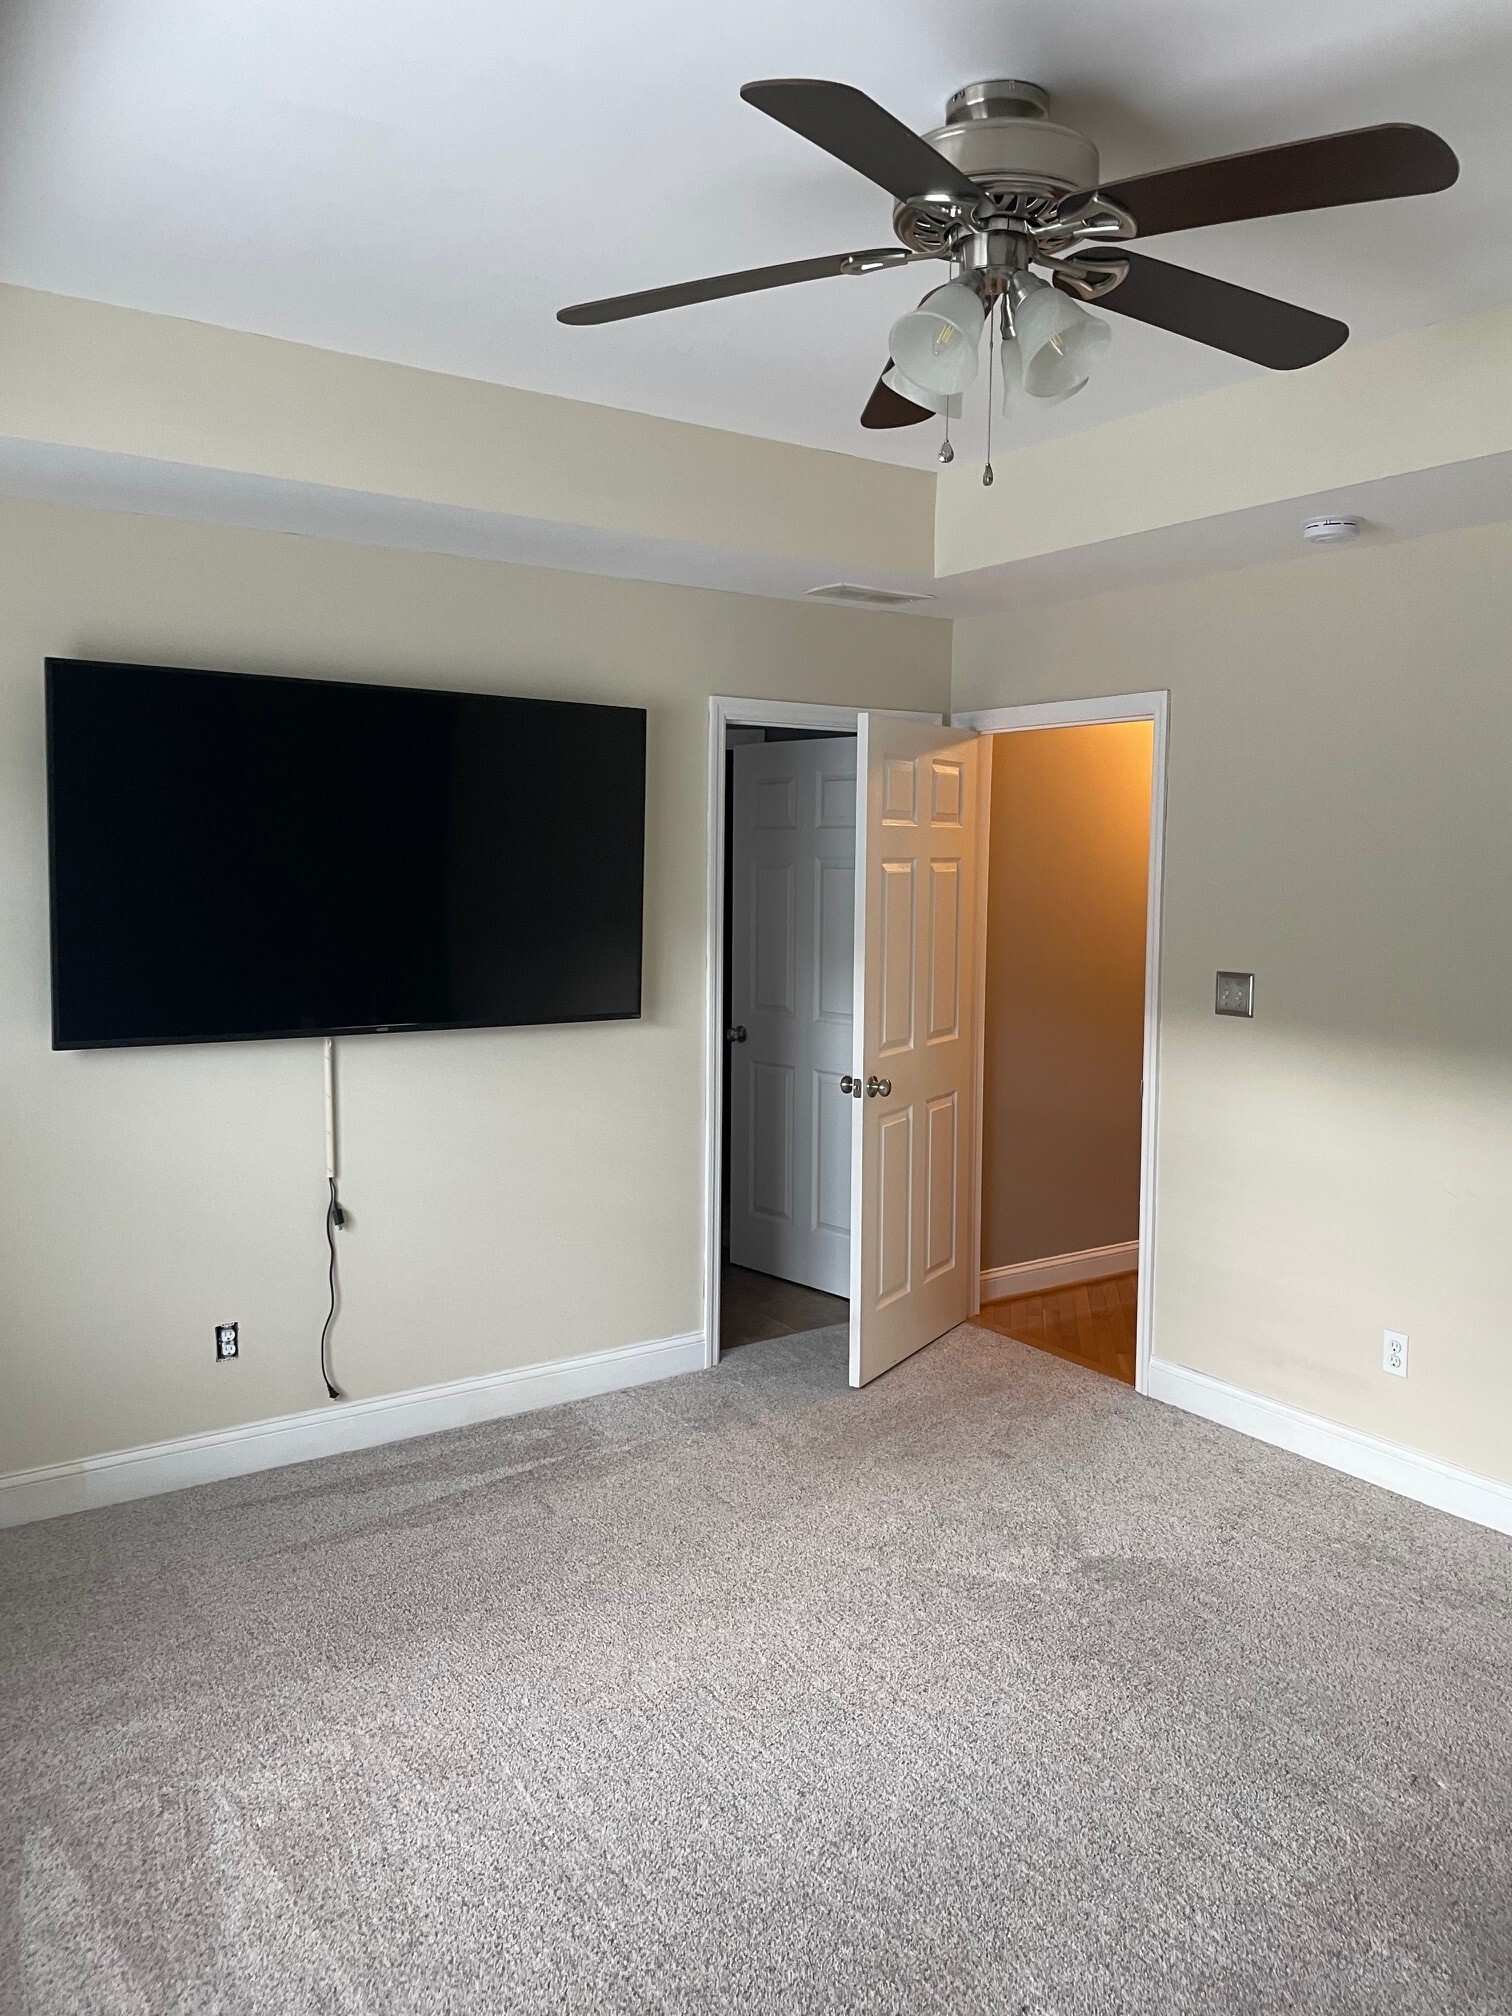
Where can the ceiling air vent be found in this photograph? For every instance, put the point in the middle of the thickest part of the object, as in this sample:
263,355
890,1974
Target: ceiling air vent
867,598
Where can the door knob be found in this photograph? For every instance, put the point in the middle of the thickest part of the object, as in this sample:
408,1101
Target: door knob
737,1034
851,1087
878,1088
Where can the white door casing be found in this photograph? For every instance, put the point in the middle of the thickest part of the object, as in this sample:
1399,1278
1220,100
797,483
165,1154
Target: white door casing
792,990
913,1169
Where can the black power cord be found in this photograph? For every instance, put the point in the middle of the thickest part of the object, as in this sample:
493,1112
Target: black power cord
334,1216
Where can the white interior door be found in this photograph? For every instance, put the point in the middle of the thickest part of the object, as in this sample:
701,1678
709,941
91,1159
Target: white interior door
913,1179
793,909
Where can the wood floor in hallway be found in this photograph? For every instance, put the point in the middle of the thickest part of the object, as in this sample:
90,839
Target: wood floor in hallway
1090,1322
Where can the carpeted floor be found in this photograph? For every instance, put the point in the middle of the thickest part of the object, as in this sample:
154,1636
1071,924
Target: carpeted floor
994,1687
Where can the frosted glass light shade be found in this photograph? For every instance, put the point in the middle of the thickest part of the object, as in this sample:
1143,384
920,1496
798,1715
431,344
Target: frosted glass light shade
1013,385
1013,407
1058,342
936,402
935,344
1013,391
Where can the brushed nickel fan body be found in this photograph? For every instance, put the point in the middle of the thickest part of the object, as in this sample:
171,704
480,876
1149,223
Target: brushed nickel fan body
1022,166
1000,134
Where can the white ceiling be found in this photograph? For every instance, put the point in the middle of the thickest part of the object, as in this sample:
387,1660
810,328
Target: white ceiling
428,180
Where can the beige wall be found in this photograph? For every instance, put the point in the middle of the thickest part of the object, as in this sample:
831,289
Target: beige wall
1339,819
1066,888
82,374
516,1195
1422,400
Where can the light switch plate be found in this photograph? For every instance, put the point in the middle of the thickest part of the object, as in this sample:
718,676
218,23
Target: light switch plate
1236,994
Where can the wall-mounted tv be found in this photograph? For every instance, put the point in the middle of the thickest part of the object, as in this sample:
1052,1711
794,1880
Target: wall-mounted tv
236,855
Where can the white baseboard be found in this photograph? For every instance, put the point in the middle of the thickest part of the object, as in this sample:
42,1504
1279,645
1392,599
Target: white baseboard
1395,1468
1061,1270
331,1430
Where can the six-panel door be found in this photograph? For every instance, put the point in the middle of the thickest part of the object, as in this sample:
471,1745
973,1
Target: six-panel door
913,1173
792,992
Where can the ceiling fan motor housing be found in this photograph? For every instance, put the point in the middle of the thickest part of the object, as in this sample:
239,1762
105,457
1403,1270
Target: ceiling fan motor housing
999,134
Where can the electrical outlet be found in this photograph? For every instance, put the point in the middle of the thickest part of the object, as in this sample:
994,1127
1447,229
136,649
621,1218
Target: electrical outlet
1394,1352
227,1344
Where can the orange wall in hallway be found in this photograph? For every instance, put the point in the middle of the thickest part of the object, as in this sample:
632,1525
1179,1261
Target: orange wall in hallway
1065,990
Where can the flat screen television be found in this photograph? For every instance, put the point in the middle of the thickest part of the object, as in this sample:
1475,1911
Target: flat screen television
239,856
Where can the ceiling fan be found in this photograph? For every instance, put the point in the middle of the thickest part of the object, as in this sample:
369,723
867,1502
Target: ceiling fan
1000,190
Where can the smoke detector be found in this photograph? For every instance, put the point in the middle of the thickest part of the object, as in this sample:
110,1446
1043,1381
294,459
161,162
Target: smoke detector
1331,531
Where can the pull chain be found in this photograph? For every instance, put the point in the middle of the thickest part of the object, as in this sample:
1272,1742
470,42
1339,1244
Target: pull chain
991,347
947,453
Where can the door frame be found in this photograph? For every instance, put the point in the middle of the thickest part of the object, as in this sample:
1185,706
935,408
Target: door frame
1155,708
726,712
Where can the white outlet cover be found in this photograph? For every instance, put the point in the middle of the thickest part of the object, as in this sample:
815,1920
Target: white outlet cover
1394,1352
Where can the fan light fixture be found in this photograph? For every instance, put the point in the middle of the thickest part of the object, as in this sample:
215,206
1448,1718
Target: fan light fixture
1058,341
935,344
1002,188
948,403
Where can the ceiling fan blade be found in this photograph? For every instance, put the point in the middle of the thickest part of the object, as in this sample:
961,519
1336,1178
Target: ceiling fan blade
618,307
859,132
1216,312
887,408
1364,166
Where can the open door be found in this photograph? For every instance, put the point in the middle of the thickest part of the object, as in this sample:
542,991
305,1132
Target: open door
913,1158
792,924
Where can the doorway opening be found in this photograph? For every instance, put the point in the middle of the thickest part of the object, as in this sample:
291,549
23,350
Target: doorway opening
1070,942
788,951
888,1065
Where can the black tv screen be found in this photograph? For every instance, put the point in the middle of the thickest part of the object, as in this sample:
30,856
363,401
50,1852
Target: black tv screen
237,856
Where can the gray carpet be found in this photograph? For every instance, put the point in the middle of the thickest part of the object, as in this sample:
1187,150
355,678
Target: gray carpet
991,1688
